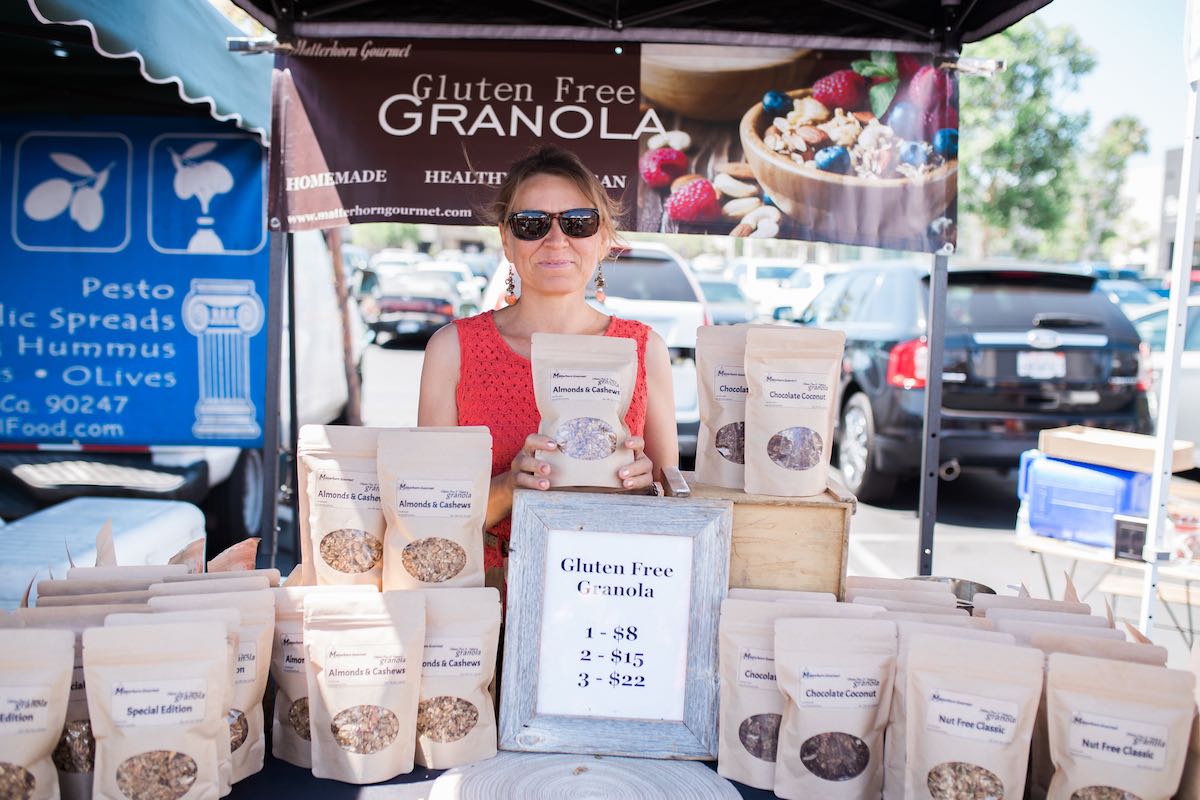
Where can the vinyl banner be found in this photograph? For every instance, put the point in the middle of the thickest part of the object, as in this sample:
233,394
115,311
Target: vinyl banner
134,296
835,146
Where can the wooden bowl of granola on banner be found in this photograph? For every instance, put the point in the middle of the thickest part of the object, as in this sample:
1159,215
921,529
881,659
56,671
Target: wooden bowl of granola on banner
715,82
877,199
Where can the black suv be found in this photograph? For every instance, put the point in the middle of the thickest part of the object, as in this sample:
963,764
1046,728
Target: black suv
1026,348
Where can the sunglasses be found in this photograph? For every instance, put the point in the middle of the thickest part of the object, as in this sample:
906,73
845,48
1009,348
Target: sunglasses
578,223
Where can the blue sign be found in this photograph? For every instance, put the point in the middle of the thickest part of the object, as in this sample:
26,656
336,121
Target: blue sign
133,303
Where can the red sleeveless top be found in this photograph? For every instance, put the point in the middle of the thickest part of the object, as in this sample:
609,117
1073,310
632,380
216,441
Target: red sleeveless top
495,388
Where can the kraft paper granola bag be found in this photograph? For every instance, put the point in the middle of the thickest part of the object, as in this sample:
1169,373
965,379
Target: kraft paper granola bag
456,718
291,739
941,599
155,696
1052,617
364,655
240,584
895,754
971,707
792,375
950,620
896,584
151,573
272,576
97,599
253,665
433,487
771,595
1116,729
1024,630
985,602
836,676
86,586
1189,784
721,373
35,679
583,385
913,607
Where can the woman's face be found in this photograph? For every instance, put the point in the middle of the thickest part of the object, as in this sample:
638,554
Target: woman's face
555,264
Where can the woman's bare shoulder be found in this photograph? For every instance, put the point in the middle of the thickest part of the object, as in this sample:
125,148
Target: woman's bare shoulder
442,349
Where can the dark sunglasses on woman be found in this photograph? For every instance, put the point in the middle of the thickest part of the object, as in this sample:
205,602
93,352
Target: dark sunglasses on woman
578,223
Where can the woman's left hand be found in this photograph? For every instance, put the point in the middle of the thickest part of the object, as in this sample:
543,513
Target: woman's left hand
639,474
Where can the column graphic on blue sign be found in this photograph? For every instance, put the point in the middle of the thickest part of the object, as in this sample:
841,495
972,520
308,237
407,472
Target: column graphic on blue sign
223,315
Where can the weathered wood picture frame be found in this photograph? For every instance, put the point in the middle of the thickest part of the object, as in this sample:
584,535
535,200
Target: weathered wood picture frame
623,528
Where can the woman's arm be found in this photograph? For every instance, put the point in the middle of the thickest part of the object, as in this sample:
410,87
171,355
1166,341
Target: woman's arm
438,404
661,435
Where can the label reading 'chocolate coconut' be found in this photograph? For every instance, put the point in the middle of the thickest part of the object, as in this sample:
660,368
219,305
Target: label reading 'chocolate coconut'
729,381
426,497
838,687
158,702
796,390
446,657
24,709
970,716
756,669
585,385
357,490
1118,741
366,665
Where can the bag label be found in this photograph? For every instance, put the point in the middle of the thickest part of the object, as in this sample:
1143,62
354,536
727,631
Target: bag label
24,709
796,390
366,665
78,684
291,645
158,702
357,490
446,657
1118,741
756,668
584,384
425,497
729,383
970,716
246,668
838,687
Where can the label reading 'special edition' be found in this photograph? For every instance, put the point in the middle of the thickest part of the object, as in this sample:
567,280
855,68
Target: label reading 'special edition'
756,669
433,497
730,383
1118,741
970,716
796,390
24,709
585,385
838,687
366,665
446,657
158,702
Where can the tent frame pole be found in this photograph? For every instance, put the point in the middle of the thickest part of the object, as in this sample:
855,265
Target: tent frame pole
1157,547
935,329
277,255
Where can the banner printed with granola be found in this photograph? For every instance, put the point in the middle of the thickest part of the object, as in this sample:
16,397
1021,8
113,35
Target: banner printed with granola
836,146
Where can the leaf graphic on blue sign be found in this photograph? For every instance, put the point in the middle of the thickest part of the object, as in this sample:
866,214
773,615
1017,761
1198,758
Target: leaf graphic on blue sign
72,164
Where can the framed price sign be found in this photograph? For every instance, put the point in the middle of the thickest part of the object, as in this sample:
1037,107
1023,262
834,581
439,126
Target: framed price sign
611,635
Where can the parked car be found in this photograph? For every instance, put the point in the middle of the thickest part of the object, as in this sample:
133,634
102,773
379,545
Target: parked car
1131,296
411,303
468,285
773,284
727,303
1026,348
648,282
1152,327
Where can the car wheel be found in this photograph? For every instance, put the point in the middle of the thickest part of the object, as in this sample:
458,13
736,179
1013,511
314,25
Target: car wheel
234,509
856,452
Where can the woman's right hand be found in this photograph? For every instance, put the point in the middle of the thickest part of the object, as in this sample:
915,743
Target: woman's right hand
527,472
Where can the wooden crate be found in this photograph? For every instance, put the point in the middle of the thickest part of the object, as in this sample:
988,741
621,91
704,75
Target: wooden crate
787,542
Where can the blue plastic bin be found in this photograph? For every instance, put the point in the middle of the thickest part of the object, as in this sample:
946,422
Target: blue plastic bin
1075,501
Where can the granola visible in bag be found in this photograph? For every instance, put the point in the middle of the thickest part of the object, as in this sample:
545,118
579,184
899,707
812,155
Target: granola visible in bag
721,373
35,678
583,385
434,489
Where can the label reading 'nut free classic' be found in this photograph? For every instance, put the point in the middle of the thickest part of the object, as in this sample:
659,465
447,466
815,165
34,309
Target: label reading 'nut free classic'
1118,741
796,390
359,490
445,657
425,497
584,384
366,665
838,687
756,669
24,709
730,383
970,716
160,702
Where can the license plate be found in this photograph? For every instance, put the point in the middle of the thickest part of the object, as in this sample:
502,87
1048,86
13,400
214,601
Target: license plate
1041,365
407,327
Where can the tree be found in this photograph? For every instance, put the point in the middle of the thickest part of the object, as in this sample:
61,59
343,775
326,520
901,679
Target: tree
1018,143
1100,204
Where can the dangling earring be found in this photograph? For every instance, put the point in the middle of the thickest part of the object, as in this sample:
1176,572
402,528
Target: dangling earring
600,295
510,287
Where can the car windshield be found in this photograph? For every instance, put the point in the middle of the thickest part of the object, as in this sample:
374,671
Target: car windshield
981,300
445,275
416,282
1129,292
774,273
722,292
635,278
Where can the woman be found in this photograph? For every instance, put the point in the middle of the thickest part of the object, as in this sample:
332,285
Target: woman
556,226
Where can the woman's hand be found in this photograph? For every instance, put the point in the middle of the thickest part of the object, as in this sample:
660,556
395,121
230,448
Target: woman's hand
639,474
527,472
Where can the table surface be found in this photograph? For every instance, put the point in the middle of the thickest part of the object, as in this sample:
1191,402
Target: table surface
1189,571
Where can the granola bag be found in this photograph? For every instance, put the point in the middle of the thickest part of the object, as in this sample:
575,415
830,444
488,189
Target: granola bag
227,586
75,751
720,447
272,576
1024,631
1117,730
894,752
986,602
151,573
345,518
1189,784
35,679
896,584
291,740
913,607
434,490
155,696
138,597
456,718
583,385
792,375
940,599
836,676
787,595
751,706
1052,617
253,666
364,655
63,587
971,707
232,620
951,620
1041,767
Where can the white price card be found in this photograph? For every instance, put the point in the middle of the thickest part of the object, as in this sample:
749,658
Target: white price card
614,635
